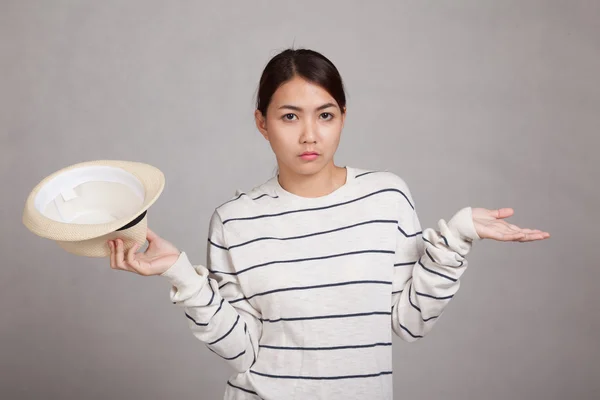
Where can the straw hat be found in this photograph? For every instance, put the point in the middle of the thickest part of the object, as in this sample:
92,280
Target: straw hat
84,205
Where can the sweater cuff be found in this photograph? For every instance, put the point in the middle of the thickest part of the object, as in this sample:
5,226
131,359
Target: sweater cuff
462,226
182,272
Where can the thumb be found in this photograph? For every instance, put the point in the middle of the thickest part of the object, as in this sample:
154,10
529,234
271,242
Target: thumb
151,235
503,212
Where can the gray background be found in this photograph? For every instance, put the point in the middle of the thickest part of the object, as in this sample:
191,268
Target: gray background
482,103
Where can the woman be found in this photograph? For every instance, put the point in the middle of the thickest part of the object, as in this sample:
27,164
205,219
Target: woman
309,273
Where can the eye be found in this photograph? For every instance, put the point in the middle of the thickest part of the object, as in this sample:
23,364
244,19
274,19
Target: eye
327,116
289,117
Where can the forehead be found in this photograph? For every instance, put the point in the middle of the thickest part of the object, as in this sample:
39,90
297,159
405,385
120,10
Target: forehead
299,91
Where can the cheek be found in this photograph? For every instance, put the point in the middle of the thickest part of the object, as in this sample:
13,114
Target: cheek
282,138
331,134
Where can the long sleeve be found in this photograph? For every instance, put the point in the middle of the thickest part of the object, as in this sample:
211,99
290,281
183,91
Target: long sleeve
428,265
220,317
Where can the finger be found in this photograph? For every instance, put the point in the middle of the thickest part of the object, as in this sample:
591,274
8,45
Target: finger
525,230
529,237
131,261
503,212
113,263
120,256
151,235
511,237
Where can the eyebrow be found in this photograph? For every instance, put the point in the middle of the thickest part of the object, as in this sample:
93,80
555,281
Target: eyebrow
296,108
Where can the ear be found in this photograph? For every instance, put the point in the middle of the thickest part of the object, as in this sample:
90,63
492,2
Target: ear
261,124
344,116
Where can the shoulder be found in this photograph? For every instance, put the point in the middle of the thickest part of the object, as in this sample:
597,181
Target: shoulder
379,178
244,202
383,180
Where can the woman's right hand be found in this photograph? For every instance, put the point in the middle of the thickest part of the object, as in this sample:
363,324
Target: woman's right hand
158,257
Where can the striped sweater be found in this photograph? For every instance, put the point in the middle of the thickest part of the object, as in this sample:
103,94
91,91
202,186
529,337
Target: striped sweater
301,295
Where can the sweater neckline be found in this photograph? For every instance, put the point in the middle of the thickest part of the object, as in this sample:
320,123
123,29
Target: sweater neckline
282,193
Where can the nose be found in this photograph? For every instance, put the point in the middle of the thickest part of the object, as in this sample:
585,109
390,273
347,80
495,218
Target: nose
309,132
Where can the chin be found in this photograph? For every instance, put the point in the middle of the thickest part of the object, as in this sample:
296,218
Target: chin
309,168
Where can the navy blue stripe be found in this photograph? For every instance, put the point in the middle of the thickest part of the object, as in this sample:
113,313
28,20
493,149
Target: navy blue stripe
460,265
245,194
405,264
226,358
213,292
311,287
303,259
365,173
435,272
445,240
433,297
409,235
417,308
320,208
220,305
358,346
328,316
266,194
228,332
217,245
225,284
431,258
442,236
229,201
195,322
322,377
237,300
234,357
385,221
397,291
410,300
205,323
409,332
241,388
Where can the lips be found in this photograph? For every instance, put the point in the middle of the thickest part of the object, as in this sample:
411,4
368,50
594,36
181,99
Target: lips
309,155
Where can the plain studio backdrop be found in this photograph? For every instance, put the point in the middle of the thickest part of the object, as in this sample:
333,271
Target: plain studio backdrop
474,103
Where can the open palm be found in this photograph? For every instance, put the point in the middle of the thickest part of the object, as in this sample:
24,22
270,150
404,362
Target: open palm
490,224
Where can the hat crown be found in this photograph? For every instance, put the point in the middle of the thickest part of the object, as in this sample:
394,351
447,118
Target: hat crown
83,205
90,195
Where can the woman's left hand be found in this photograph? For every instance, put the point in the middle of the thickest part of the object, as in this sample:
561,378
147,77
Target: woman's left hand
489,224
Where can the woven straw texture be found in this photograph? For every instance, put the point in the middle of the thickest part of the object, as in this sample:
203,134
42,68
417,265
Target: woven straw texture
98,247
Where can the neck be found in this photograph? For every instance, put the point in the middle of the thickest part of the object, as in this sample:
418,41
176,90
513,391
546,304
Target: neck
319,184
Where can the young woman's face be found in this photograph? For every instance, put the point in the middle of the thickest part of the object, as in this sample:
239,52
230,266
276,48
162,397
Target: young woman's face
303,126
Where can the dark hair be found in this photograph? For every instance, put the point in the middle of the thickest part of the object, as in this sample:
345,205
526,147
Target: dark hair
308,64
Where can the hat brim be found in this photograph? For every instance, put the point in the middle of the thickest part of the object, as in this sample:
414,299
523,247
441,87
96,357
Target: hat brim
151,178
